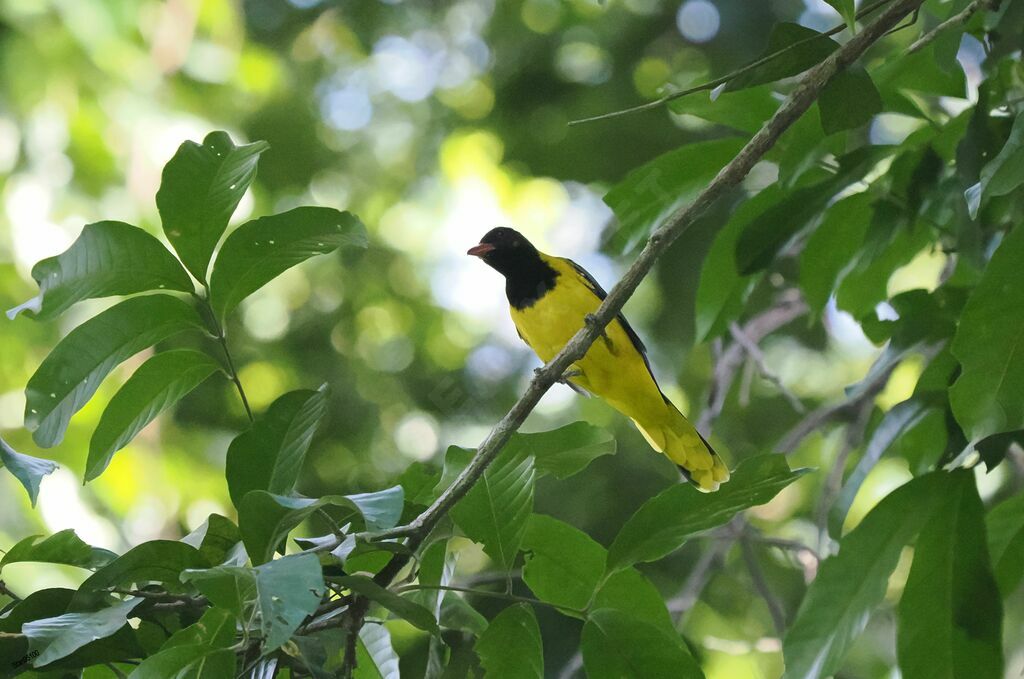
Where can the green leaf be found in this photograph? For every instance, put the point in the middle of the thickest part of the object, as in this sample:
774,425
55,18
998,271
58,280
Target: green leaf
1005,523
58,637
849,100
287,591
650,193
563,565
511,646
265,519
664,522
618,646
153,561
63,547
199,190
216,538
847,10
950,614
108,258
851,584
158,384
1005,172
766,233
403,607
216,628
565,451
232,588
745,111
803,48
495,510
270,454
832,248
376,658
865,284
259,251
632,593
27,469
195,661
989,343
70,375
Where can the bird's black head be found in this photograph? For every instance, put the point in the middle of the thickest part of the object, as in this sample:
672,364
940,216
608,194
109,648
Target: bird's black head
506,251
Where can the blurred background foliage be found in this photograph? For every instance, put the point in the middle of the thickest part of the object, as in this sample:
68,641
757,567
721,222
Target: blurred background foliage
433,122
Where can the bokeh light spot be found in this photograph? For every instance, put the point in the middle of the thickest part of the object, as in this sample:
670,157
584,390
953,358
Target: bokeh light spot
698,20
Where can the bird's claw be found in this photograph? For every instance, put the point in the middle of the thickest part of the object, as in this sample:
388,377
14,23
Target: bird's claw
566,376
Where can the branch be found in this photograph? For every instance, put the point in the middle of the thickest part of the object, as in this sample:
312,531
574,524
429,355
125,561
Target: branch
757,356
5,590
958,19
761,585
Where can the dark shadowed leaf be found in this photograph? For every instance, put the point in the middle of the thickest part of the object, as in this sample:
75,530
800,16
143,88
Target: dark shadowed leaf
70,375
401,606
259,251
987,397
1005,172
1005,523
216,539
376,658
157,385
950,613
58,637
200,189
803,48
270,454
852,583
664,522
495,510
232,588
215,628
27,469
564,451
849,100
287,591
108,258
766,233
832,247
154,561
194,661
63,547
511,645
618,646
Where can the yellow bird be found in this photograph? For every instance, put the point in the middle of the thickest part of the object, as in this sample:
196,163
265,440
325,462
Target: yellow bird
550,298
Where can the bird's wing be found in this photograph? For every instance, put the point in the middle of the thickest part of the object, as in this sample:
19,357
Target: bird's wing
599,292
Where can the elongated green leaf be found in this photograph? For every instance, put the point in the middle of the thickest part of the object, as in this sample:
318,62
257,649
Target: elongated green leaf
618,646
108,258
847,10
511,645
563,565
154,561
832,247
70,375
650,193
803,48
376,658
157,385
1005,172
265,519
288,590
989,343
200,189
27,469
632,593
950,614
1005,524
269,455
766,233
665,521
495,510
745,111
865,284
194,661
56,638
565,451
259,251
63,547
849,100
404,608
216,628
851,584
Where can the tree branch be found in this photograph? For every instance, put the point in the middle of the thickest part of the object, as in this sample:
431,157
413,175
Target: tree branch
958,19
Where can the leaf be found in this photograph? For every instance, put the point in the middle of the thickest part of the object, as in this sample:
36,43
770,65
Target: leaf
216,628
404,608
866,283
803,48
832,247
376,658
199,190
63,547
215,538
195,661
663,523
265,519
650,193
745,111
847,10
259,251
619,646
107,258
58,637
27,469
270,454
70,375
632,593
989,343
157,385
153,561
511,646
1005,172
563,565
851,584
849,100
565,451
232,588
287,590
950,614
1005,524
495,510
764,236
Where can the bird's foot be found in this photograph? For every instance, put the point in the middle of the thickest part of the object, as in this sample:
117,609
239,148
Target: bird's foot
566,376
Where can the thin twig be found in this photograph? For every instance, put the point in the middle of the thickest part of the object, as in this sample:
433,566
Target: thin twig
221,337
5,590
757,356
852,439
958,19
494,595
761,585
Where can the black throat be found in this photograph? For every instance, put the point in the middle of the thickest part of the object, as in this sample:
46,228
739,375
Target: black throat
528,281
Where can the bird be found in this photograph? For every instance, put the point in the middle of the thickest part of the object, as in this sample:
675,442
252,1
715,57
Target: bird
549,300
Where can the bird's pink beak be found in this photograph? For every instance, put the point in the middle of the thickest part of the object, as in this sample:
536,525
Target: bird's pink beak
480,250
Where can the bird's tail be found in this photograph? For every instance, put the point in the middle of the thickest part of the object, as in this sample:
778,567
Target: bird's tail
673,435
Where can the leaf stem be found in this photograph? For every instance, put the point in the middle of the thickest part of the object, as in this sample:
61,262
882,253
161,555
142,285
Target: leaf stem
494,595
222,340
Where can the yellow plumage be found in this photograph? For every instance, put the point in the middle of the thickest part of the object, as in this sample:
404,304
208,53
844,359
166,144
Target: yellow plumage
614,369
